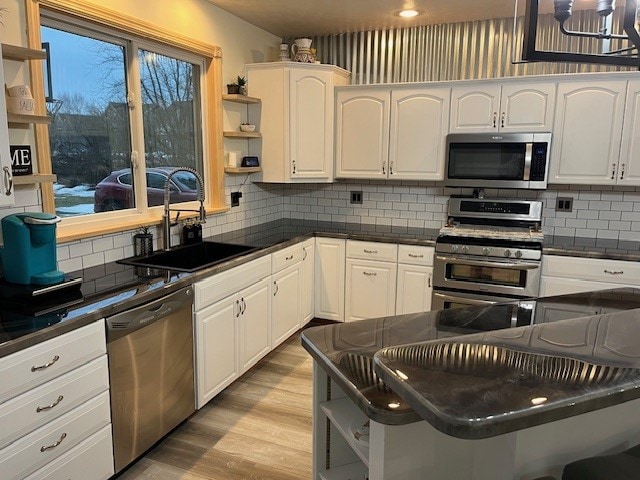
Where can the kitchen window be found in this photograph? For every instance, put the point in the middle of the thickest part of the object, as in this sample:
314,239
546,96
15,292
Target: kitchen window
128,105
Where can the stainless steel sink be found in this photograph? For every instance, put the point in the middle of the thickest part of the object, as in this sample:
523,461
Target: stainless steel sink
190,258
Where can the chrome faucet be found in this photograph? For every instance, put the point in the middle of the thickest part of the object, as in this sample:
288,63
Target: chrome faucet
166,217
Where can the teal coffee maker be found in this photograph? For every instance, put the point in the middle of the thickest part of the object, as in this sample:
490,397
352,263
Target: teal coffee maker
29,250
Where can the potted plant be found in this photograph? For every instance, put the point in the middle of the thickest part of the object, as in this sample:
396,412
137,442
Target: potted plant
239,87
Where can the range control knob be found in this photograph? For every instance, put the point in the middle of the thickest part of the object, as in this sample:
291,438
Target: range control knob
454,248
465,249
518,254
507,253
486,251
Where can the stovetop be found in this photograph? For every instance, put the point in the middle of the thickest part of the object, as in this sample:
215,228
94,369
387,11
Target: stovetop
492,232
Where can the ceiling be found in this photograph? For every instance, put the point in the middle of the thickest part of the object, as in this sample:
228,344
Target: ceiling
289,18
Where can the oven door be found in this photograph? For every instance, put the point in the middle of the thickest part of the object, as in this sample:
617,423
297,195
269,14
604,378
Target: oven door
518,278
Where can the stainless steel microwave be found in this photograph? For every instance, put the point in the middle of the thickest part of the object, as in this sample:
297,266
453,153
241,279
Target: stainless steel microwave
494,160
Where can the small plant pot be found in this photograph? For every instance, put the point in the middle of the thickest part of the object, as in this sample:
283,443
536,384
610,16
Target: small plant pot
233,89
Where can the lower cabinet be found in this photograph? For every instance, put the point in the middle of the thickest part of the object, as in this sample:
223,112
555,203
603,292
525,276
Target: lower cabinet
306,281
252,312
329,278
415,274
370,289
285,304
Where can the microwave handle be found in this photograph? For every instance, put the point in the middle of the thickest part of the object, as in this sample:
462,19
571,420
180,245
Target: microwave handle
528,155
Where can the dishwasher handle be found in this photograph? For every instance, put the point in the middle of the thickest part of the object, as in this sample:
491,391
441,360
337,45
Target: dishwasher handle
138,317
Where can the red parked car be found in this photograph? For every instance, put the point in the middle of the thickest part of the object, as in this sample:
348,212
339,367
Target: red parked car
115,192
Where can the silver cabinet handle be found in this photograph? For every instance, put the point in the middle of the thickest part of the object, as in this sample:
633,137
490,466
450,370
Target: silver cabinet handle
239,308
391,167
502,120
49,407
304,249
290,257
53,445
413,255
370,274
275,284
294,166
244,305
46,365
429,281
370,251
622,173
614,272
384,168
613,171
8,181
495,118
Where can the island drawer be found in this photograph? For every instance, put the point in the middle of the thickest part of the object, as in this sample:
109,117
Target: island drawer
33,366
385,252
595,269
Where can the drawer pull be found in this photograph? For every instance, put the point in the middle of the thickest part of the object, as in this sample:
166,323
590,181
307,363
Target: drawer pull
49,407
370,274
413,255
275,291
290,257
54,445
370,251
46,365
614,272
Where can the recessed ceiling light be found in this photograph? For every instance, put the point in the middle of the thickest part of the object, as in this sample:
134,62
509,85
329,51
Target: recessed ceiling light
408,13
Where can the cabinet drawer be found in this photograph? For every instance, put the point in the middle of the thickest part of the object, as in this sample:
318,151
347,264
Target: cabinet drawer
595,269
386,252
35,450
286,257
25,413
92,458
35,365
415,255
226,283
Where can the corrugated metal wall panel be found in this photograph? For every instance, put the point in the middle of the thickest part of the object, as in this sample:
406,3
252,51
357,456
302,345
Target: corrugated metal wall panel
469,50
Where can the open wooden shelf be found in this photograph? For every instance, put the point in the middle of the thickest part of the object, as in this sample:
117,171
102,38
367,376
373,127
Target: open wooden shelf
233,170
13,52
240,98
35,178
18,120
242,134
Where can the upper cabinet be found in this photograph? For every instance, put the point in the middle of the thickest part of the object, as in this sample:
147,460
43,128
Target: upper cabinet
297,119
391,133
588,130
510,107
628,171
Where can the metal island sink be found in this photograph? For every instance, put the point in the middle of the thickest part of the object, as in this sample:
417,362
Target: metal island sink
190,258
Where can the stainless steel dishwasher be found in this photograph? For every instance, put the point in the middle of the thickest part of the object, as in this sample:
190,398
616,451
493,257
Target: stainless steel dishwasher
150,351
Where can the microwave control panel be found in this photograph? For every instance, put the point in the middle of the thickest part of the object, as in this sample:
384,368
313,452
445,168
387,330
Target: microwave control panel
538,161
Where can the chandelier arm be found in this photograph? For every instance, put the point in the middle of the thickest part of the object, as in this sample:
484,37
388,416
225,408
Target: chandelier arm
601,36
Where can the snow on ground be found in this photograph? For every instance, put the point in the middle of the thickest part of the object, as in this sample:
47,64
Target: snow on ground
83,209
78,191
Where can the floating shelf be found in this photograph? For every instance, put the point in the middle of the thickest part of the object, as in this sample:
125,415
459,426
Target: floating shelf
35,178
13,52
242,169
242,134
240,98
18,120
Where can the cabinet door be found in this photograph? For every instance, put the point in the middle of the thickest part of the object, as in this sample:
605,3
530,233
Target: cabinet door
216,354
419,126
285,304
311,124
587,132
6,182
414,289
475,108
527,107
362,133
306,294
329,278
629,170
370,289
254,324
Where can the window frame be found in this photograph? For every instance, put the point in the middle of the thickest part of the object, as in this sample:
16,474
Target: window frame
143,35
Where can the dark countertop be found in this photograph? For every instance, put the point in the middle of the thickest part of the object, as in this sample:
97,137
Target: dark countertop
493,383
346,352
592,248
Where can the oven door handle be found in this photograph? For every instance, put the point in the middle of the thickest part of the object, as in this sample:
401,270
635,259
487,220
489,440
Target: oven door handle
485,263
470,301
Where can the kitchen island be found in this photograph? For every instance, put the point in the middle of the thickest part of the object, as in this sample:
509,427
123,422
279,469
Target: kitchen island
466,401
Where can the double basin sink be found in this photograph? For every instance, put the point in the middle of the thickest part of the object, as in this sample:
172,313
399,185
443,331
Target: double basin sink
190,258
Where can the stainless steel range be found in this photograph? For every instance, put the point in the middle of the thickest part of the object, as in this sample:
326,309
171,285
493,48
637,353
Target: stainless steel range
490,251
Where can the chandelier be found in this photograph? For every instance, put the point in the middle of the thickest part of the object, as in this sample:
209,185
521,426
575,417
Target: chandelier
625,34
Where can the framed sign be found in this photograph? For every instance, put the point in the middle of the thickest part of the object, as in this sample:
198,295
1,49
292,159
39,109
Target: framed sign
21,160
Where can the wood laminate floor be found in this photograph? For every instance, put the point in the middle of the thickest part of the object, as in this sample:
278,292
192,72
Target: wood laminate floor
257,428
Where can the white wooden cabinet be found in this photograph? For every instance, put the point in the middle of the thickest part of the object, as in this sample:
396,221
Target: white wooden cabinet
362,132
285,303
415,273
628,172
512,107
56,395
370,283
396,133
329,278
307,285
587,132
297,119
252,307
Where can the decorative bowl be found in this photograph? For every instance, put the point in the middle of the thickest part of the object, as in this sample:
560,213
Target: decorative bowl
247,127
